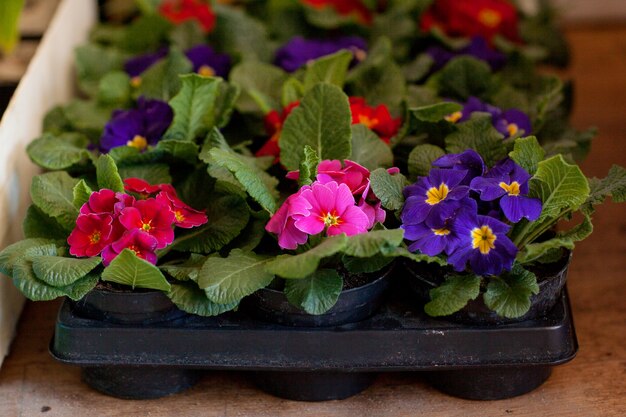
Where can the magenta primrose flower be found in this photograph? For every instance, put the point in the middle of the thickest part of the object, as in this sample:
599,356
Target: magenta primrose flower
152,217
140,243
283,221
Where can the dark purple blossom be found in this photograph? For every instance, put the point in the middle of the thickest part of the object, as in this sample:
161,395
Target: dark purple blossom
138,64
433,200
138,127
509,123
508,182
483,243
429,241
207,62
299,51
468,160
477,48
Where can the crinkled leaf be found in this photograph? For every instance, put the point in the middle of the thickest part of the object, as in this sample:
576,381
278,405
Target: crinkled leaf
373,243
81,193
128,269
305,263
368,149
388,188
316,293
259,184
478,134
114,89
308,166
322,121
452,295
153,173
81,287
194,107
527,153
59,271
614,185
180,149
188,297
435,112
365,265
225,103
421,159
463,77
228,280
240,35
33,288
186,270
58,152
53,194
227,216
93,62
331,69
161,81
260,85
509,294
10,255
107,174
87,117
146,33
37,224
293,90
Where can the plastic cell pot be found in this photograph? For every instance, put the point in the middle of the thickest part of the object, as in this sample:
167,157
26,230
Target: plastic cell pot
551,278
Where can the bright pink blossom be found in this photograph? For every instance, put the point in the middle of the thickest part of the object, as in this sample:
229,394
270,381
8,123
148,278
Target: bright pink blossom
141,187
185,216
282,222
332,208
140,243
152,217
106,201
91,234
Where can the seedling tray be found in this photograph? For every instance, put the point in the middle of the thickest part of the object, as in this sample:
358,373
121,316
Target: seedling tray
318,363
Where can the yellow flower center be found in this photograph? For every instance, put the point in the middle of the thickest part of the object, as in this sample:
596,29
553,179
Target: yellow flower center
437,195
206,71
512,128
146,227
441,232
369,123
331,219
135,82
511,189
180,217
490,18
483,239
95,237
138,142
454,117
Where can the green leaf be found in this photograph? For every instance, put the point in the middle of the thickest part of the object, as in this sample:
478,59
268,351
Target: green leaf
186,35
225,103
260,185
107,174
308,166
331,69
452,295
59,152
114,89
317,293
240,35
374,242
435,112
187,270
145,34
479,134
37,224
161,80
228,280
81,193
59,271
560,186
253,233
368,150
194,107
293,90
53,194
153,173
260,85
388,188
188,297
417,257
365,265
12,254
305,263
128,269
81,287
422,157
227,216
463,77
322,121
509,295
87,117
34,289
614,185
93,62
527,153
180,149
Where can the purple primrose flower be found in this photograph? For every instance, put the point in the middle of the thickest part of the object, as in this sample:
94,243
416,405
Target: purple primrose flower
430,241
433,200
138,64
298,51
508,182
138,127
483,243
468,160
477,48
207,62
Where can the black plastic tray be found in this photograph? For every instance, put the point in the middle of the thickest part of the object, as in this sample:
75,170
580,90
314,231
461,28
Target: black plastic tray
321,363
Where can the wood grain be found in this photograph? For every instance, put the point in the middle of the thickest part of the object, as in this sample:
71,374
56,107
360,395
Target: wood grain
594,384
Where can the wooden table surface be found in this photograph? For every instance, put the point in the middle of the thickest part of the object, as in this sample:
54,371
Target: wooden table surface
594,384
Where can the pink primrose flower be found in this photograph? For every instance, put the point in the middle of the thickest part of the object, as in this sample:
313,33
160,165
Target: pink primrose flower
152,217
185,216
140,243
91,235
282,222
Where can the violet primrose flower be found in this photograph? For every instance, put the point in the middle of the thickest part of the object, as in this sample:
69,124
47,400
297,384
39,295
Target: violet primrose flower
138,127
483,243
508,182
207,62
298,51
430,241
468,160
477,48
434,199
136,65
